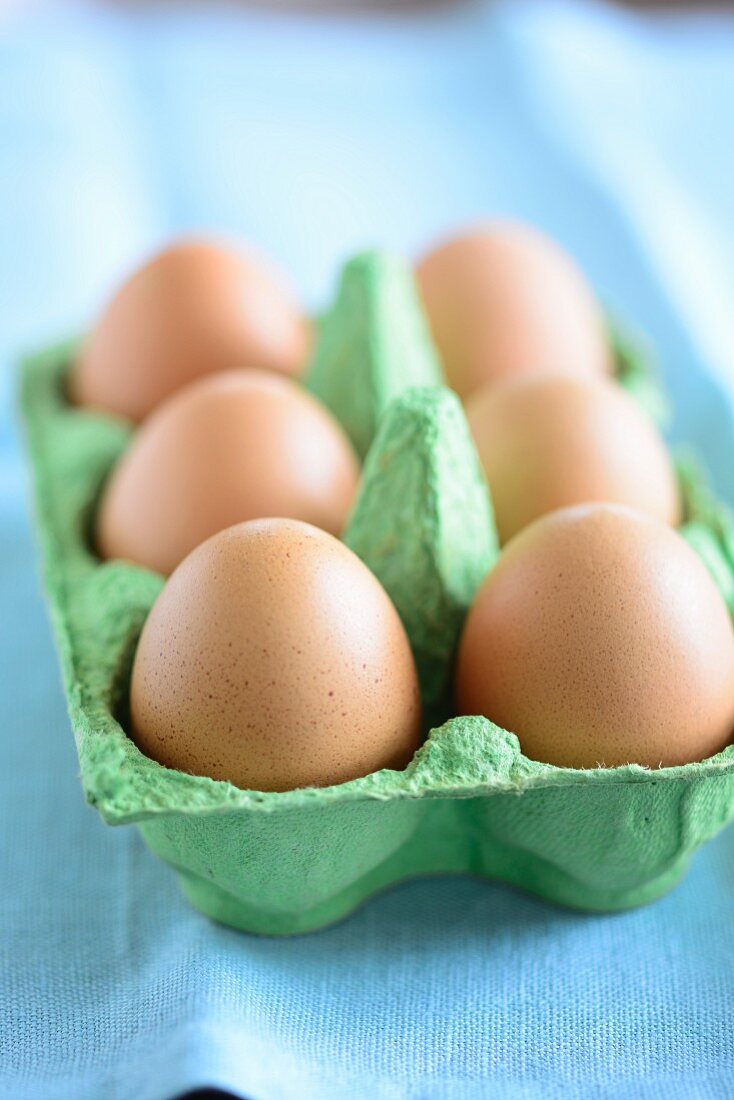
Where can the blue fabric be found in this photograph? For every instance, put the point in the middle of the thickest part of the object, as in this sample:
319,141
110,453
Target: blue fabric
314,135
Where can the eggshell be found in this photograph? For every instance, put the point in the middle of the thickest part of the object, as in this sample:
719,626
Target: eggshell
503,300
274,659
195,308
601,638
233,447
548,442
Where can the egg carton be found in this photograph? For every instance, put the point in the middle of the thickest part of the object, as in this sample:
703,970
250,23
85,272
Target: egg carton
277,863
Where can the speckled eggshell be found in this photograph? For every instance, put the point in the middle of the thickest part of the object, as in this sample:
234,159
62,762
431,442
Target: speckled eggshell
504,300
195,308
274,659
547,443
236,446
601,639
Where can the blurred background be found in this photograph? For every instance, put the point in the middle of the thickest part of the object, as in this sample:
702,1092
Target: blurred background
314,131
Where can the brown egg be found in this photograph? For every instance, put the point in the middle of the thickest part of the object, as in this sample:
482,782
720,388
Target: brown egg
549,442
273,658
196,308
236,446
503,300
601,638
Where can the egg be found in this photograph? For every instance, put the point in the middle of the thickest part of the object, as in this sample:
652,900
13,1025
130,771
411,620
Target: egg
273,658
548,442
601,639
235,446
504,301
195,308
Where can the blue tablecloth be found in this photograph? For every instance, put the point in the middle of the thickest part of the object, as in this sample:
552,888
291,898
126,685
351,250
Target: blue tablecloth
314,135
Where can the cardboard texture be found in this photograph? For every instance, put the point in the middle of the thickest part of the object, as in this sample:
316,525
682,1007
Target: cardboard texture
290,862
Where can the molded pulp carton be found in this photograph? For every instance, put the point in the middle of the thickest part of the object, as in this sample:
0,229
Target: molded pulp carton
469,801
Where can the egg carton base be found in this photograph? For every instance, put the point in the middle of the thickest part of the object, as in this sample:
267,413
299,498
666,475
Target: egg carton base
470,803
224,908
427,839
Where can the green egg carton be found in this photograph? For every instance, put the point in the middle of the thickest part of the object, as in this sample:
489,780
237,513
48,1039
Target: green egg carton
469,802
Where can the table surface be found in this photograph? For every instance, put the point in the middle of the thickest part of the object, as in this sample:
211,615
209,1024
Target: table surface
314,136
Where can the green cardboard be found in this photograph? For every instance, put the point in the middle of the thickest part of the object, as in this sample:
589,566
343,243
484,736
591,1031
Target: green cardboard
469,801
371,345
421,473
637,370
